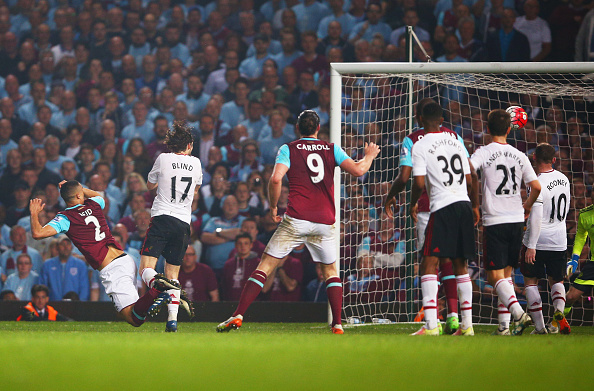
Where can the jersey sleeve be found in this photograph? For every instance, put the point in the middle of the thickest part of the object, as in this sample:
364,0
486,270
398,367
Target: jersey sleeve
419,164
153,176
339,155
283,156
60,223
580,236
477,159
99,200
199,174
462,141
406,153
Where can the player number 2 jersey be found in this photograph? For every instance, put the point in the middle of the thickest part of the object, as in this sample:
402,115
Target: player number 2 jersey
555,201
177,176
502,169
441,158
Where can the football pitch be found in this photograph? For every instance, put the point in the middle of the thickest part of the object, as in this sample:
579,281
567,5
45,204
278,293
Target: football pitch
285,356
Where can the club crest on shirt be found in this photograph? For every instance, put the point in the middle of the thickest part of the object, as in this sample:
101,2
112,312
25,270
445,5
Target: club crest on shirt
73,271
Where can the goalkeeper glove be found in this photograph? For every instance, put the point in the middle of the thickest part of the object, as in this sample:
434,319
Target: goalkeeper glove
573,264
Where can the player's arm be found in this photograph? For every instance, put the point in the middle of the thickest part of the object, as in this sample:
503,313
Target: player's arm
151,185
214,295
274,189
398,185
578,244
360,167
534,192
90,193
153,177
37,231
417,189
289,283
472,183
533,231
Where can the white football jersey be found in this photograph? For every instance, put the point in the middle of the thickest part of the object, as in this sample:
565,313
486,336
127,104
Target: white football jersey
555,203
177,176
502,169
441,158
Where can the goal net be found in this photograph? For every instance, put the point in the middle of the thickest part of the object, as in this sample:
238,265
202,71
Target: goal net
374,102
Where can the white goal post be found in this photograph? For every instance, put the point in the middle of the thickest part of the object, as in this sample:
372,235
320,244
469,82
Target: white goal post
565,91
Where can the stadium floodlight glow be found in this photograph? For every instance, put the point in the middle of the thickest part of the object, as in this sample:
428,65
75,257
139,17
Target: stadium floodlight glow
559,94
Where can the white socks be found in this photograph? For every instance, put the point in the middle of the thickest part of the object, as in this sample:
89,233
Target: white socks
535,306
429,287
173,307
506,293
558,296
465,299
148,274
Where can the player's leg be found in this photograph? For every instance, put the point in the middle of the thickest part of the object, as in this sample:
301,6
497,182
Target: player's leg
154,243
464,287
172,273
556,268
324,252
531,273
582,285
286,237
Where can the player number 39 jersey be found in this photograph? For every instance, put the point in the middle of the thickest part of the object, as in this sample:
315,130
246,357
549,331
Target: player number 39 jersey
441,157
177,176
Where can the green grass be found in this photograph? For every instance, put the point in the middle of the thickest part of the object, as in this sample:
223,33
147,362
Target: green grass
266,356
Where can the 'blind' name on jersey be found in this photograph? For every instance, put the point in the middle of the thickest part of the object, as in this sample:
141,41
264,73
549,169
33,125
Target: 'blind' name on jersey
555,197
177,176
441,157
502,168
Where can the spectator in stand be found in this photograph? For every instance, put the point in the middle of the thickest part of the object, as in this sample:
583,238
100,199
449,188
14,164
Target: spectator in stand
234,112
37,309
66,115
236,271
536,29
6,143
219,188
137,150
197,279
471,48
333,39
11,174
7,108
99,44
136,202
507,44
346,21
309,14
22,281
65,273
251,67
149,75
385,244
367,29
54,159
411,18
28,111
141,128
216,27
284,282
232,151
249,161
242,193
315,290
270,83
39,165
8,259
310,61
271,142
365,273
255,121
250,226
9,55
157,147
142,220
112,110
195,98
219,234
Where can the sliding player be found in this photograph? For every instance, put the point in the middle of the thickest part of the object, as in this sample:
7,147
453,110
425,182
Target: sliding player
440,163
309,164
584,282
177,176
545,250
503,169
84,223
446,271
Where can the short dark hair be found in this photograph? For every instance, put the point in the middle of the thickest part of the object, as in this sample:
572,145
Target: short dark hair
420,105
498,122
69,189
308,122
178,138
432,112
243,235
544,153
5,293
39,288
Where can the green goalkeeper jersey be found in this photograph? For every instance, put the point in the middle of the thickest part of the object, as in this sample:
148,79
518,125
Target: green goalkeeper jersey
585,227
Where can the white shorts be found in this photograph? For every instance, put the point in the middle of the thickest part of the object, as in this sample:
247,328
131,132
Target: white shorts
119,280
291,232
422,221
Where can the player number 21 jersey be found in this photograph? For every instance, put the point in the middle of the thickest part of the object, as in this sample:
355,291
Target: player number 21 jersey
177,176
441,158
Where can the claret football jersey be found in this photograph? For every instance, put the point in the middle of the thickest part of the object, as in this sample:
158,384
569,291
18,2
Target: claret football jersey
311,165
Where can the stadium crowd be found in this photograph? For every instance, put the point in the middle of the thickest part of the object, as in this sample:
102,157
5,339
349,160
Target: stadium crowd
89,88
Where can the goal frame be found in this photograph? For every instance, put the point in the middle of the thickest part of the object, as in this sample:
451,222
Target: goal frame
339,69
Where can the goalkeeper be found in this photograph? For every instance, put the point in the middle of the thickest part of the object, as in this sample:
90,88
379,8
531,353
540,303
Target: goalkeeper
584,282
